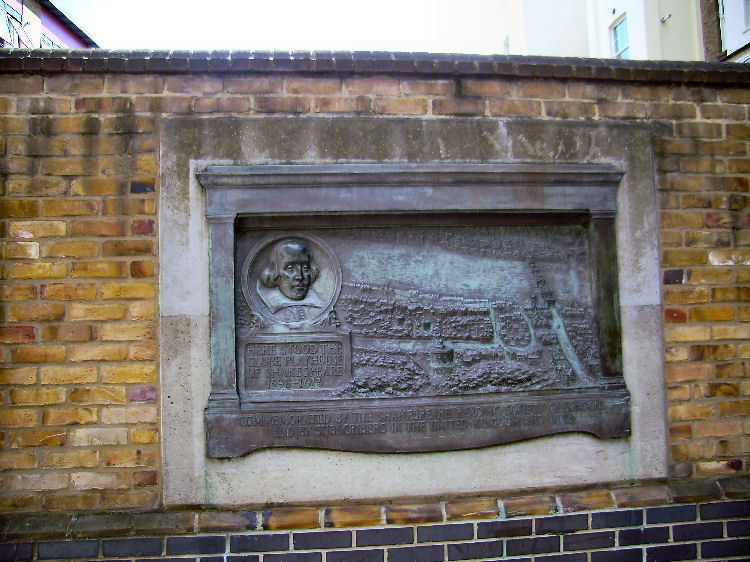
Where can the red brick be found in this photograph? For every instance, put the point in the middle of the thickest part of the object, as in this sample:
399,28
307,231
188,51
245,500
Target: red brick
400,106
254,85
515,108
142,227
97,227
569,109
128,248
486,88
427,87
74,84
17,334
140,268
330,104
135,84
269,104
372,86
194,84
313,85
464,106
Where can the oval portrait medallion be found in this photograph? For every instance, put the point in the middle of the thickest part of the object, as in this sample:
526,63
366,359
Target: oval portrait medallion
292,279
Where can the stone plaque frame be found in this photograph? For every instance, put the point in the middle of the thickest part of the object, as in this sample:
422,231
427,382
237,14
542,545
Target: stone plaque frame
282,475
239,421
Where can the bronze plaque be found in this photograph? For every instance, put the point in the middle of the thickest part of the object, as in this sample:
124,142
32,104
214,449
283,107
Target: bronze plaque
421,331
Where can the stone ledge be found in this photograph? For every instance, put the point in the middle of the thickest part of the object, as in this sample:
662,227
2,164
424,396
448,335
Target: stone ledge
556,503
321,62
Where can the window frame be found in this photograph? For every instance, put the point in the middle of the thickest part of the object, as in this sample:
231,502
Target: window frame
618,52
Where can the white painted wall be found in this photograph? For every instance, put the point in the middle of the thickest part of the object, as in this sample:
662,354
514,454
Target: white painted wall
583,28
736,31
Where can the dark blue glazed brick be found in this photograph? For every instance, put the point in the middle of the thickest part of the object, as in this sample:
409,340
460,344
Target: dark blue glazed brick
241,558
671,552
422,553
67,549
141,187
294,557
738,528
510,528
258,542
166,559
380,537
671,514
322,539
537,545
697,531
619,555
725,510
561,524
577,557
16,551
730,547
589,541
375,555
478,549
647,535
196,545
617,519
132,547
451,532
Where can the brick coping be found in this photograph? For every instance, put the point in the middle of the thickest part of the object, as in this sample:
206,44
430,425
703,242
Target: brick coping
189,520
326,62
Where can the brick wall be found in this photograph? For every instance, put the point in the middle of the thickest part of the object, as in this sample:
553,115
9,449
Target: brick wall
79,147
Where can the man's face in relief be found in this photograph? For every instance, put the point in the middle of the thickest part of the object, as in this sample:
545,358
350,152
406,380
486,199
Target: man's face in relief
295,273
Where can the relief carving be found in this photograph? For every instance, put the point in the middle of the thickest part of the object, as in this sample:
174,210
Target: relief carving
291,280
427,332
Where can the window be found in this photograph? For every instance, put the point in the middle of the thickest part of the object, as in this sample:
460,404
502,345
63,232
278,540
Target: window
48,43
620,46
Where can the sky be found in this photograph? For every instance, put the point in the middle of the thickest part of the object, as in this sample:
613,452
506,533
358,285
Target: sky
437,26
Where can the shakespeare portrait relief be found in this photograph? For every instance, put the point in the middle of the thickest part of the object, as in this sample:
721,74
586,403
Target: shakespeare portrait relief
291,280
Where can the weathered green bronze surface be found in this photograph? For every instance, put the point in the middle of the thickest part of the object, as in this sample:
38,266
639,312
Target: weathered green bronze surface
413,308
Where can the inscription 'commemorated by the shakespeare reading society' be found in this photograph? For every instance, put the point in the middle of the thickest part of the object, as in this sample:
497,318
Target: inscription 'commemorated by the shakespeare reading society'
421,419
293,365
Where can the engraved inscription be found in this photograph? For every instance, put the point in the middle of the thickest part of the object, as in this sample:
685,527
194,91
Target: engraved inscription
317,362
425,419
412,425
293,365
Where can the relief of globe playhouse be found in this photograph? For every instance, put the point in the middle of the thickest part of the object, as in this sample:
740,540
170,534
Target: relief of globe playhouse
490,330
415,340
